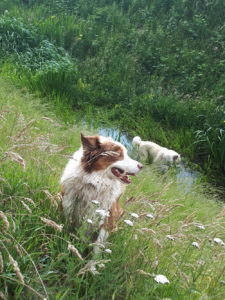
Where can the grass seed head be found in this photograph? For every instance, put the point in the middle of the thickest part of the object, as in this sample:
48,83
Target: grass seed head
17,158
75,251
26,206
16,269
5,221
52,224
1,264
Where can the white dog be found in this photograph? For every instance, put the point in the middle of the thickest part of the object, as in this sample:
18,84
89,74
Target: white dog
93,182
159,154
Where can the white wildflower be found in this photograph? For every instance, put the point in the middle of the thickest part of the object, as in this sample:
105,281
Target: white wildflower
218,241
136,216
200,226
128,222
170,237
161,279
108,251
196,244
89,221
150,216
95,202
102,212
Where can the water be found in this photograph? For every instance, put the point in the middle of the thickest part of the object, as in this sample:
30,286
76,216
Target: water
184,175
117,135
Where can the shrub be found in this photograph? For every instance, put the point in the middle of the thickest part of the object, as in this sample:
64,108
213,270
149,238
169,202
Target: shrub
15,36
48,69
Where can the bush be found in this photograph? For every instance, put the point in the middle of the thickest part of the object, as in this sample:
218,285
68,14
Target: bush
15,36
49,69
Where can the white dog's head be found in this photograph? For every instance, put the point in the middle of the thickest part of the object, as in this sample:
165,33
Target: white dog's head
136,140
172,156
105,154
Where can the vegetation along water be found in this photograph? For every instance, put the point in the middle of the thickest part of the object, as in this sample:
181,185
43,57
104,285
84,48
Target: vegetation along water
153,68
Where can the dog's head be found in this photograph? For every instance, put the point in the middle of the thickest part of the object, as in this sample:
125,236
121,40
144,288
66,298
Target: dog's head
100,153
176,158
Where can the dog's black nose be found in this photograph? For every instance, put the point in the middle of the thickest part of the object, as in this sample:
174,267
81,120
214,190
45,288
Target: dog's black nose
140,166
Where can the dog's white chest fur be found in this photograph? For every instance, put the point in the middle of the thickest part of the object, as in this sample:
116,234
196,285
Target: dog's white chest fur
81,188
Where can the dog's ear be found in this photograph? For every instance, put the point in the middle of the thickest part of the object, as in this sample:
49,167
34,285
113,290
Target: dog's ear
90,142
175,157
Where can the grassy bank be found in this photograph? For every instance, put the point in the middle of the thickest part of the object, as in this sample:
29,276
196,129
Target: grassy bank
34,149
160,64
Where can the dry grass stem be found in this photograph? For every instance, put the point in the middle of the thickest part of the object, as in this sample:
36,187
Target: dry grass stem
75,251
17,158
26,206
36,269
52,224
16,269
5,221
29,200
91,267
22,131
1,263
55,199
48,119
142,230
18,250
51,121
189,218
144,273
3,297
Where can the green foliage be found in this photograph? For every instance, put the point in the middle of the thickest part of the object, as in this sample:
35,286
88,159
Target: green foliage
159,63
48,69
15,36
40,64
211,143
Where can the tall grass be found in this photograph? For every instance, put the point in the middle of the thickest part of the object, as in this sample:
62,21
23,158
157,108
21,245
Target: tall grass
158,64
35,261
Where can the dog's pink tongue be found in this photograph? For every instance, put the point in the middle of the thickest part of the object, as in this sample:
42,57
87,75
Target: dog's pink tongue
125,179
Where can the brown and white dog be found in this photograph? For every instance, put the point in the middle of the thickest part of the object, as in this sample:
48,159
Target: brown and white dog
93,182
